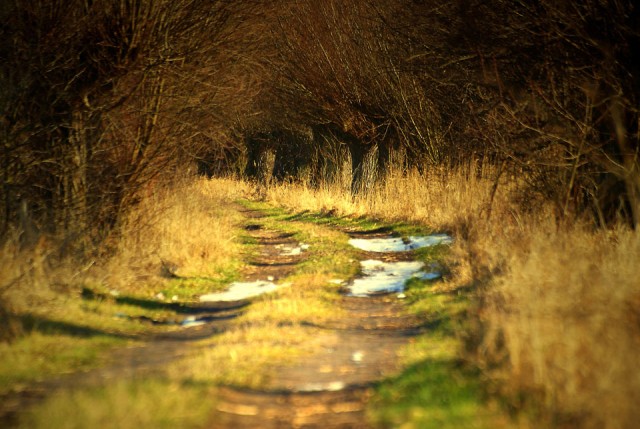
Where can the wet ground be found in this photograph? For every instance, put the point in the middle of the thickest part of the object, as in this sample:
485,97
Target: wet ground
331,388
327,390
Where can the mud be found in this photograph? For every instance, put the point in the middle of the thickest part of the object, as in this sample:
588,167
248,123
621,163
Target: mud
329,389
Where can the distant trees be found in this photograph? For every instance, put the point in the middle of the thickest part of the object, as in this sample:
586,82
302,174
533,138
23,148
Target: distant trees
336,72
99,99
549,91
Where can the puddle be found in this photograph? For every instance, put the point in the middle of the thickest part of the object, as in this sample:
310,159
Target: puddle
397,244
292,251
390,277
187,322
238,291
192,321
332,386
387,277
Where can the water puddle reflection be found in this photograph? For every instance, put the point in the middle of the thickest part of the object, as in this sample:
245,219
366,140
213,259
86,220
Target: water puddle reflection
387,277
242,290
397,244
380,277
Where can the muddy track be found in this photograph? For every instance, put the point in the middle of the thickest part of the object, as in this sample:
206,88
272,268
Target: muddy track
327,390
147,357
331,388
157,349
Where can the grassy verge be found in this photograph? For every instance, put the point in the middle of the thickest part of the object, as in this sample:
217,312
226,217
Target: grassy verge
556,333
438,388
38,356
562,324
274,331
433,394
153,403
71,317
537,316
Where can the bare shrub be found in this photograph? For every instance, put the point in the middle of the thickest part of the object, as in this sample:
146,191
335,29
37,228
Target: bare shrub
89,117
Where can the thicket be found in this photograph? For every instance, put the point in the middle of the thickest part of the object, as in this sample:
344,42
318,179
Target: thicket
547,91
100,99
90,109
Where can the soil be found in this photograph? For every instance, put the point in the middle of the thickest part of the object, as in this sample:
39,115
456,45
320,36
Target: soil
327,390
331,388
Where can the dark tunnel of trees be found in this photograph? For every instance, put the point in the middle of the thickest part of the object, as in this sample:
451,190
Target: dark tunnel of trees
100,100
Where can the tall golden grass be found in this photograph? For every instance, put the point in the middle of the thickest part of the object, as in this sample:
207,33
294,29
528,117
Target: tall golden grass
23,281
559,302
565,313
441,198
188,227
188,230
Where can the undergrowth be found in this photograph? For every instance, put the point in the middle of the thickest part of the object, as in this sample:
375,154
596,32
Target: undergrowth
551,307
555,330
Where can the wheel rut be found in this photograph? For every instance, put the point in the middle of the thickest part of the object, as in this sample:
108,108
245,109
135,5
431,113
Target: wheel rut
331,388
354,350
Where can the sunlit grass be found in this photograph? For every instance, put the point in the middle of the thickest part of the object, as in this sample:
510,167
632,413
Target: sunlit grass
37,356
565,315
558,329
425,298
187,288
152,403
245,355
274,331
554,307
71,315
310,296
435,390
189,231
433,394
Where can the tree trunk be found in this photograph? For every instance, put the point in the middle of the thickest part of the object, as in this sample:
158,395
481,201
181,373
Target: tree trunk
357,151
74,188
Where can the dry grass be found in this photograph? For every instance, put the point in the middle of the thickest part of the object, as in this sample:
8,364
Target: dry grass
244,356
301,301
567,312
560,306
40,300
25,279
188,229
441,198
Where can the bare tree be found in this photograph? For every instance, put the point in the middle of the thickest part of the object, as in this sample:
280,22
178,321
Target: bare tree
91,86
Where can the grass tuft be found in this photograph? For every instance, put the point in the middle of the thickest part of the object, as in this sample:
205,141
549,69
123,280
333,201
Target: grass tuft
153,403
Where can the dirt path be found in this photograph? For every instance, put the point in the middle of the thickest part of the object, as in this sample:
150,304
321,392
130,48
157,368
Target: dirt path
154,351
329,389
146,357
